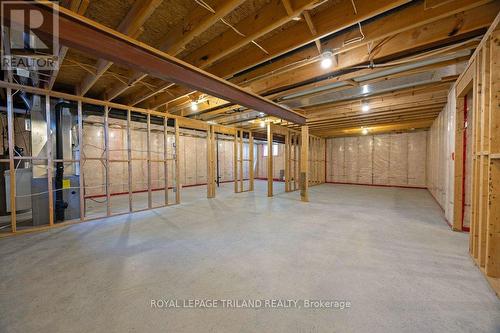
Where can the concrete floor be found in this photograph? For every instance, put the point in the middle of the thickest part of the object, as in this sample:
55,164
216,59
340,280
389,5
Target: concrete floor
388,251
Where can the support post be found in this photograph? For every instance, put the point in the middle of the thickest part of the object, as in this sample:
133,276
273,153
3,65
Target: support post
50,163
296,161
210,162
269,160
150,194
177,167
235,161
304,164
106,164
81,161
251,158
12,171
240,165
287,162
165,157
129,163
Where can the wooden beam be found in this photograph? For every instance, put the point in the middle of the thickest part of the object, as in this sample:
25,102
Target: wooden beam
207,113
378,129
77,6
467,25
406,19
331,20
256,26
312,28
131,24
88,36
270,17
175,41
195,24
248,30
280,74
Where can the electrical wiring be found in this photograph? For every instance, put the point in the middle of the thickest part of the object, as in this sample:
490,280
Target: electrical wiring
232,27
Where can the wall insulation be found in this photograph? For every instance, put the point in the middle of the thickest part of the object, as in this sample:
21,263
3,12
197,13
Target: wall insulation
192,156
440,156
389,159
278,162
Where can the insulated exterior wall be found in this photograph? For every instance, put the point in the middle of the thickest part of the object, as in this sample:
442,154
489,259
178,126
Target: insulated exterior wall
365,159
381,157
192,159
351,159
387,159
440,152
278,161
225,160
338,160
398,161
416,152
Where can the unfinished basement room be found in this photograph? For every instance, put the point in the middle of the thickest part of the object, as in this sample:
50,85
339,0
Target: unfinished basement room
250,166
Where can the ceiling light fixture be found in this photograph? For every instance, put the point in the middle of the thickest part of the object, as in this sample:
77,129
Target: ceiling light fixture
262,124
327,60
365,107
194,106
364,131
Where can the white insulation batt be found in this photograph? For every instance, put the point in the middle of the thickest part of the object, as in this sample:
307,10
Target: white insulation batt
388,159
440,163
278,161
192,157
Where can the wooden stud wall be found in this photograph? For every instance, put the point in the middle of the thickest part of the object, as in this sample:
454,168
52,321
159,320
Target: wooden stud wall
106,158
482,80
317,160
242,161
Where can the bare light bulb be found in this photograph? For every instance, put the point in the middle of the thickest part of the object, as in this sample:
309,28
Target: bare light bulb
326,62
194,106
365,108
364,131
262,124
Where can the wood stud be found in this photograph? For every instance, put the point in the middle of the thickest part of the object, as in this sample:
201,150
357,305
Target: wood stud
482,80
